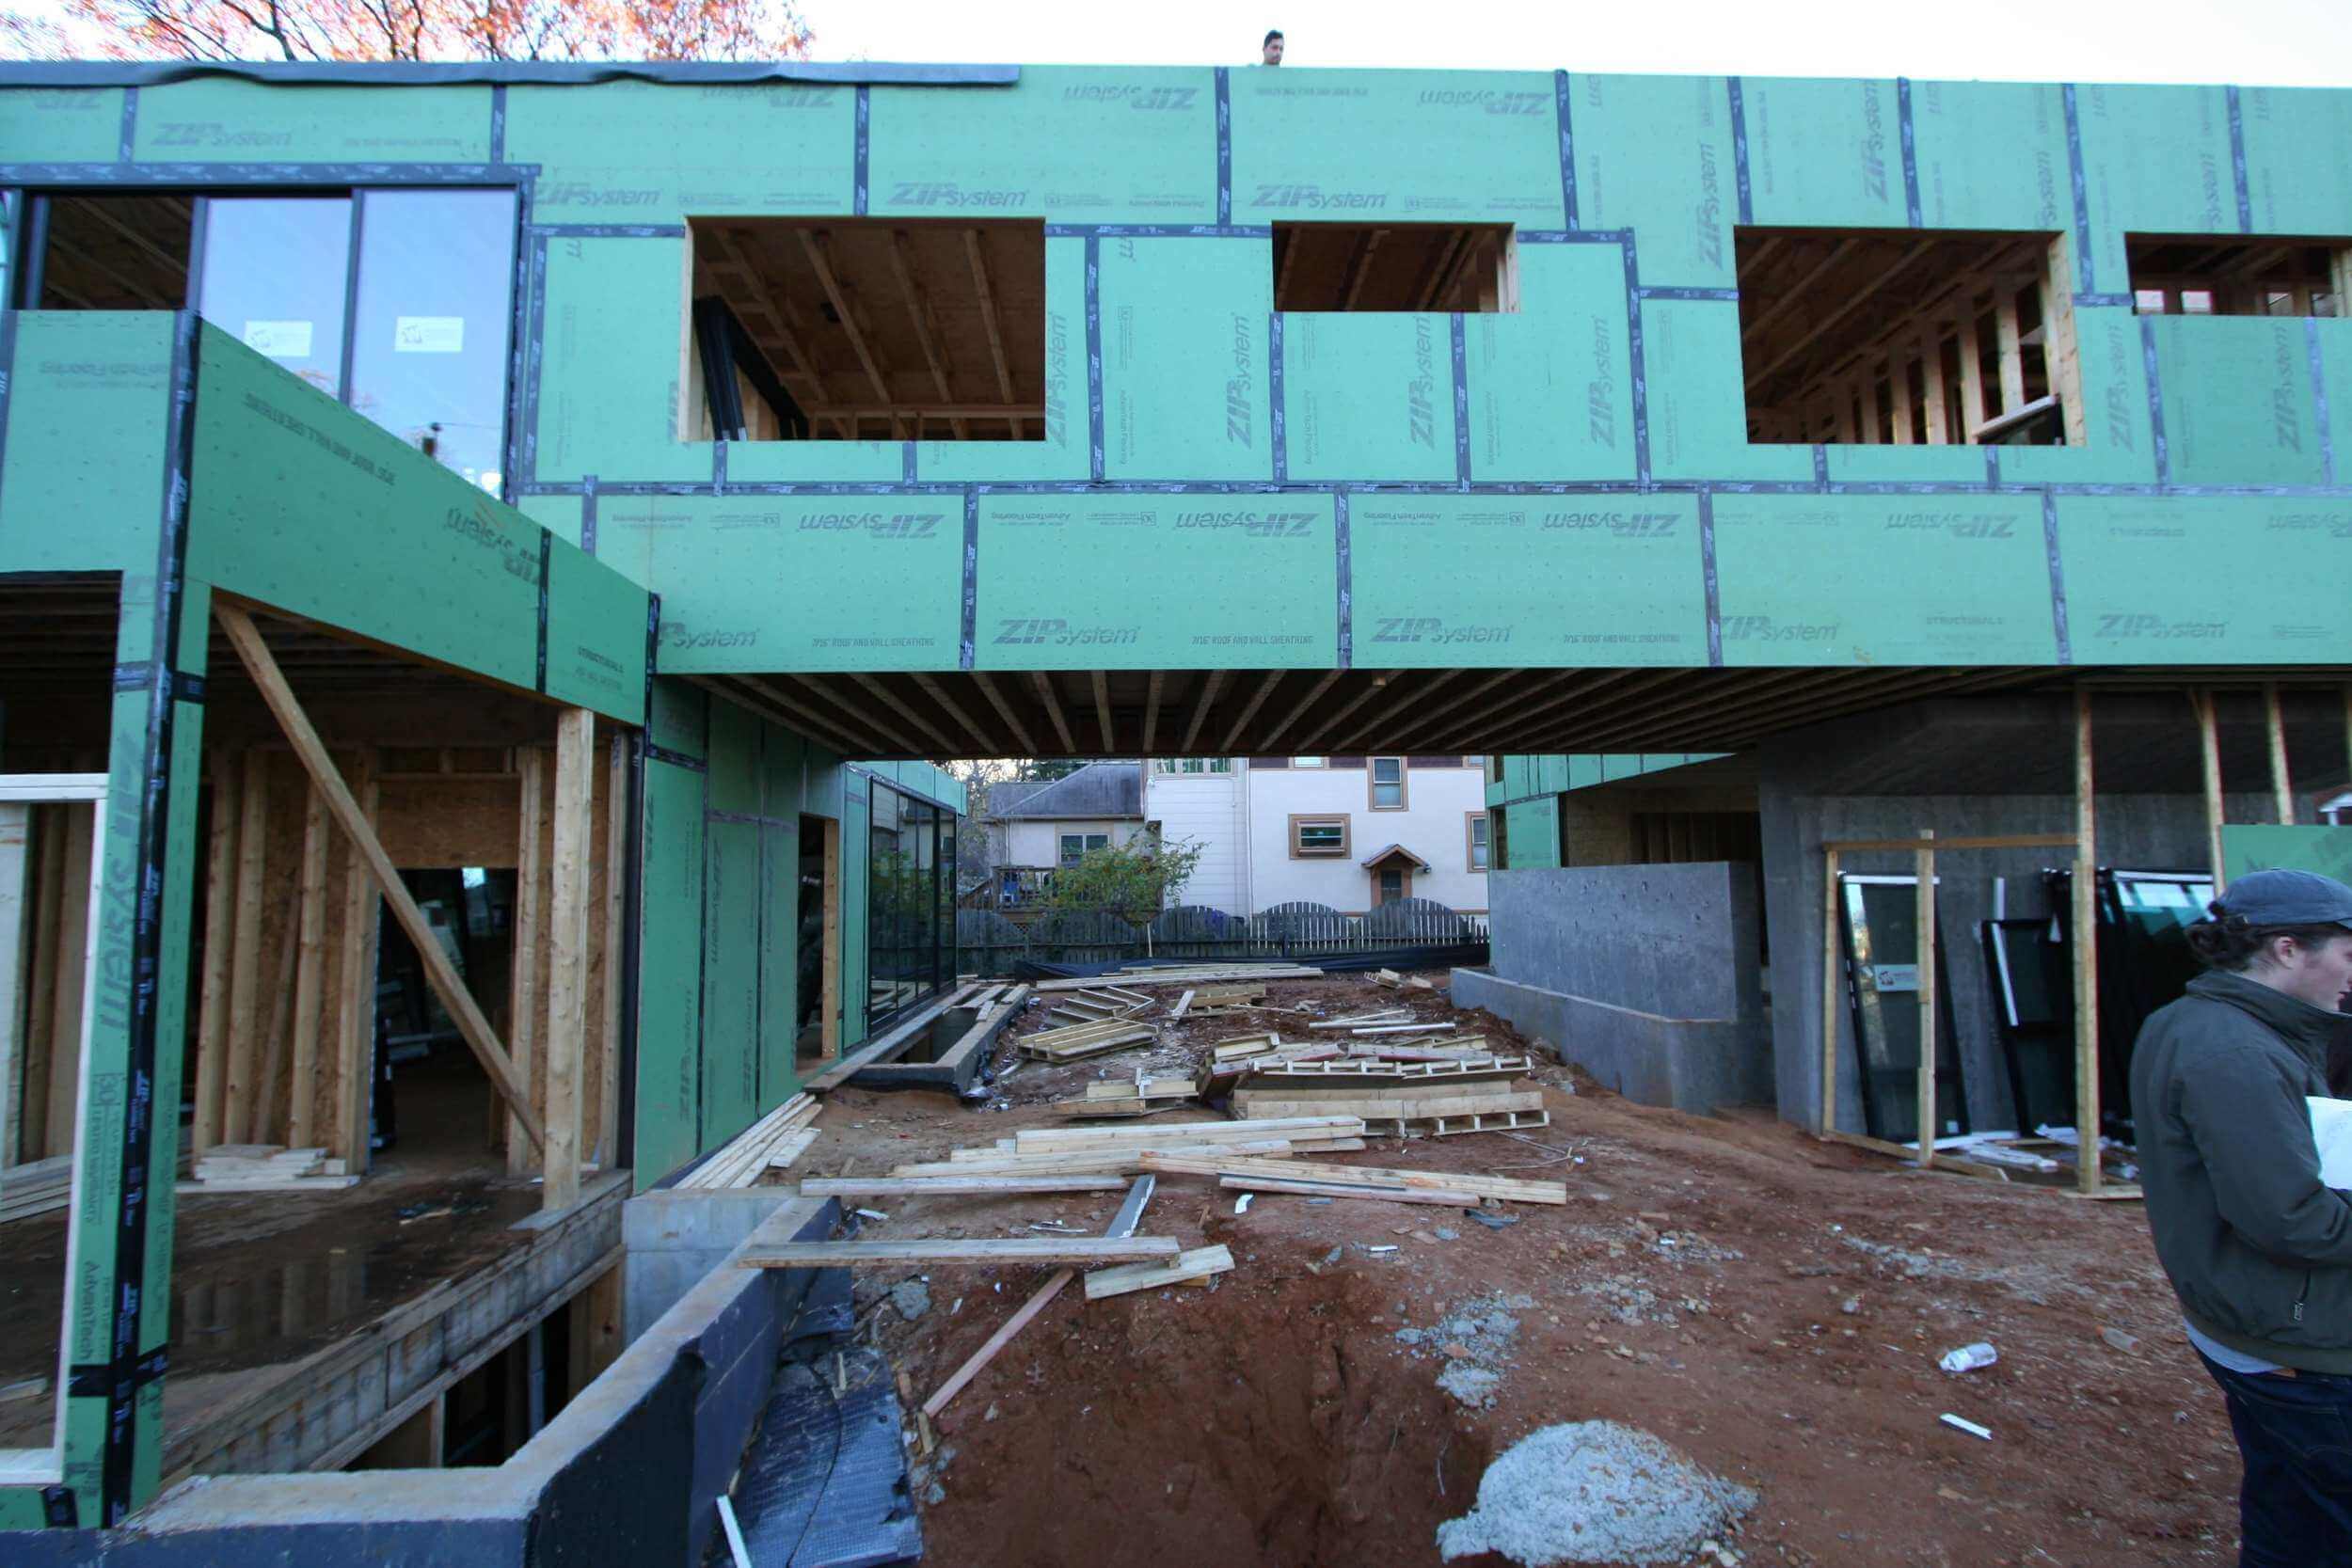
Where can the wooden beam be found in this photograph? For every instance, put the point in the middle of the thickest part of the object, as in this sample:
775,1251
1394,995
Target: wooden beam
817,245
1899,399
2274,731
947,704
1426,722
567,952
354,982
896,739
919,315
445,981
1102,684
1972,409
1796,293
2009,347
898,706
1923,875
946,1251
2200,700
1829,322
1043,685
1314,693
1380,726
1200,707
1426,291
765,298
245,962
964,1186
310,993
987,683
528,983
606,1145
1290,237
1151,711
1359,267
974,253
1931,385
79,918
1373,688
220,915
1249,708
1198,1263
796,714
2085,931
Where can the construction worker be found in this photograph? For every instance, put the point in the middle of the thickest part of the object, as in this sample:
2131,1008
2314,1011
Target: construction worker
2258,1248
1270,52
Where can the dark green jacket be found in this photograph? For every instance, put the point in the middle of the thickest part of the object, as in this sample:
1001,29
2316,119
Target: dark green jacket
2260,1253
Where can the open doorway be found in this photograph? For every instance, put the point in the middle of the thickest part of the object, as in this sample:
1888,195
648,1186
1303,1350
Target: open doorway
817,1033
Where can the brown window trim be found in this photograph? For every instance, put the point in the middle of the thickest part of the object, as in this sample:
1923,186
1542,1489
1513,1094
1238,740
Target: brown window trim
1347,834
1404,784
1470,841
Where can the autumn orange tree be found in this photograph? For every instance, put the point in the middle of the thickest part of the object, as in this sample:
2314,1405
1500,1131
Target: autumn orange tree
323,30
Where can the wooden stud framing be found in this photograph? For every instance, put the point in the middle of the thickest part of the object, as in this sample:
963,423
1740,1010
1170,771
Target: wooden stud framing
1043,685
1899,392
245,964
522,1018
1151,710
567,952
268,1125
221,911
1972,411
2085,953
976,254
1004,710
1102,684
2274,731
1923,870
2209,750
606,1145
2061,357
919,316
1207,700
354,976
1932,384
49,877
817,247
310,993
2008,339
1869,407
446,983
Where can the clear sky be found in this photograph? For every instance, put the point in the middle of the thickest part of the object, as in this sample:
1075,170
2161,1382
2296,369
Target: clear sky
2249,43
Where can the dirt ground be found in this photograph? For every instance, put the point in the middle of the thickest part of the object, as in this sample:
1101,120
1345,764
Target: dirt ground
1771,1305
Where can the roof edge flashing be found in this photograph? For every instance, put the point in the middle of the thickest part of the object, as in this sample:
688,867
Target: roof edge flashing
404,73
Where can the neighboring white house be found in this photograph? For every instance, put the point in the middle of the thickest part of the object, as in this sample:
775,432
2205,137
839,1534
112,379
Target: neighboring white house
1034,826
1347,831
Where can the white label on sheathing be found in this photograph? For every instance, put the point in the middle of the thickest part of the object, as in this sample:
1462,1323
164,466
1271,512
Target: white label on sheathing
279,340
429,335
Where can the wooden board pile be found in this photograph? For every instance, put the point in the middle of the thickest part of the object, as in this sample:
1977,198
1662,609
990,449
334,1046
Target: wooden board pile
1389,1021
36,1187
1130,1097
1447,1097
772,1142
1118,1150
1188,975
265,1168
1388,979
1100,1005
1210,1001
1075,1042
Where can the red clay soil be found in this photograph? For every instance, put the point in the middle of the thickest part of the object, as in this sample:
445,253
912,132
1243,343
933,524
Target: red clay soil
1770,1305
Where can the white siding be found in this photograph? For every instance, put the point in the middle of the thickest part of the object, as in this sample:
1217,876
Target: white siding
1433,827
1037,841
1204,808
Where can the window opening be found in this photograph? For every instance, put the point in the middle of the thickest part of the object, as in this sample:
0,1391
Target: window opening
108,252
1309,762
1879,337
1318,835
853,329
2238,275
1479,833
1075,845
1387,783
1499,851
275,276
1471,268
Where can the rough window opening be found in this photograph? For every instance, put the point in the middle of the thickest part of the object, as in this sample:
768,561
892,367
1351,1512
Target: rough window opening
109,253
2232,275
1404,267
868,330
1894,337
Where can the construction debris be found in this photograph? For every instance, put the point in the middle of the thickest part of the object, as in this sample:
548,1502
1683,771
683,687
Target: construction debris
943,1250
774,1140
1198,1263
1100,1005
264,1167
1192,976
1136,1097
1079,1040
1505,1189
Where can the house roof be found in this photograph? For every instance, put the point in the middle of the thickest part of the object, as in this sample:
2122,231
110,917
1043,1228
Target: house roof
1099,789
1392,851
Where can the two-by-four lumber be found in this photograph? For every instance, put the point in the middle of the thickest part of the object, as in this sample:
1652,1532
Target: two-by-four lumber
447,986
1451,1198
355,977
1510,1189
221,873
242,1070
616,819
309,998
1423,1107
918,1186
1335,1124
567,952
1131,978
524,990
1124,1161
1198,1263
943,1251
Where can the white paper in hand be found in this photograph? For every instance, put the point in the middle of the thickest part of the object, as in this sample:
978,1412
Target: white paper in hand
2332,1128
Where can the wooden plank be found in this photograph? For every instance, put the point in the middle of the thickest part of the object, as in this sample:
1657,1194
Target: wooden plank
444,980
608,1126
309,990
1506,1188
1449,1198
527,977
2274,731
355,980
1923,872
245,964
1120,1160
918,1186
1330,1123
943,1251
1400,1108
268,1122
1944,1163
220,872
1931,385
1972,409
1198,1263
1189,976
40,982
2209,751
2010,343
567,952
77,919
2085,931
787,1149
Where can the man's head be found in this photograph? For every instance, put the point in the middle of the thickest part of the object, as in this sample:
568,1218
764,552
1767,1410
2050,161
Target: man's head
1272,46
2290,930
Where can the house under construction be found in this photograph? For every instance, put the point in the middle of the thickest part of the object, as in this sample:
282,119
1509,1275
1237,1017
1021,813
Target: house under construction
489,555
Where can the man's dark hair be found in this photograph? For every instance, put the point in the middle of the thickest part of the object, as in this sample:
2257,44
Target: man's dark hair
2231,942
1271,34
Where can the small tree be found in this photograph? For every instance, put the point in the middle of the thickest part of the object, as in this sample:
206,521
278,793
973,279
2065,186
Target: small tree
1132,880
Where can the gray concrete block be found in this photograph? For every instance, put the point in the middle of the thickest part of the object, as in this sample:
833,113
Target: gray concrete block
677,1235
1697,1064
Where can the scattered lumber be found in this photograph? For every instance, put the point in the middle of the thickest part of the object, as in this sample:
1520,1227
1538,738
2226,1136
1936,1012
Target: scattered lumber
1359,1020
1505,1189
1241,1046
265,1168
1333,1123
1198,1263
36,1187
1389,978
1119,1162
1138,1097
1439,1048
1451,1198
941,1251
1420,983
794,1144
1191,976
779,1137
1100,1005
1372,1072
1416,1030
1184,1004
919,1186
1080,1040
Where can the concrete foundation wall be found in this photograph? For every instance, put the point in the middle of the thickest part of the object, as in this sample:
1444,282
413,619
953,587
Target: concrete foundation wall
1693,1065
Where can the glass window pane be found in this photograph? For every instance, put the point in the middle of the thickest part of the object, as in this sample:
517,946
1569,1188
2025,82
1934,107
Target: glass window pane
274,272
1387,769
437,272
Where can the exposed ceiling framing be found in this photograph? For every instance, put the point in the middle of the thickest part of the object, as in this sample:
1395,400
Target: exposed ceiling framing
1404,267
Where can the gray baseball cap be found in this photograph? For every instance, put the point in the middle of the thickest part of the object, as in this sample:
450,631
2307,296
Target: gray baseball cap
2288,898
